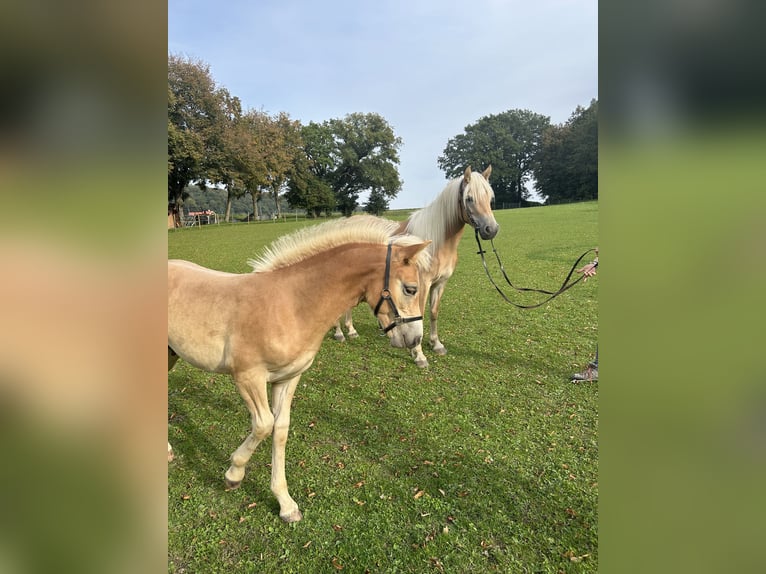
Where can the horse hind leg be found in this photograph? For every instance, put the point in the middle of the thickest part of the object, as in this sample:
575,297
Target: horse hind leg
338,335
349,323
253,391
172,358
281,400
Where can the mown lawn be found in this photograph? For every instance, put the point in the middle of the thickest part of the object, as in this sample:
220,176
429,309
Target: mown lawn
485,461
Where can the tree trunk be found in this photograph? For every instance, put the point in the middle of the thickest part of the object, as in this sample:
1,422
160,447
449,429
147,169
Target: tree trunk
227,219
178,202
255,205
276,204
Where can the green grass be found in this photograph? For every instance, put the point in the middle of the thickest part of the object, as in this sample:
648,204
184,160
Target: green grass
485,461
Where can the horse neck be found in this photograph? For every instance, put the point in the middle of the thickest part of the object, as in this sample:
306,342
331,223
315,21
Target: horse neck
337,279
441,221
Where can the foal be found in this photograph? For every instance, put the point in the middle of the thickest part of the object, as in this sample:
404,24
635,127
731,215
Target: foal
267,326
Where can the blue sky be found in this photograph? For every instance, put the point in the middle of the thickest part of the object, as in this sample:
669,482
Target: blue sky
429,67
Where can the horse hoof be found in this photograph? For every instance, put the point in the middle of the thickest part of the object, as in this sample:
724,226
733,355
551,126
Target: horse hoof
232,484
340,338
440,351
294,516
422,364
354,335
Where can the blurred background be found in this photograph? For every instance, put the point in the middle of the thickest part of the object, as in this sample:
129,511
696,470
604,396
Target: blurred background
683,241
83,244
83,401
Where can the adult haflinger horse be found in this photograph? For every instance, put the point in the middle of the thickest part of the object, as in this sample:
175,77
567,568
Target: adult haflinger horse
467,200
267,326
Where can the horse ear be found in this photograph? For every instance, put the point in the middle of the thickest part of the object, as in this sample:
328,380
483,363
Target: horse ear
487,172
410,251
467,174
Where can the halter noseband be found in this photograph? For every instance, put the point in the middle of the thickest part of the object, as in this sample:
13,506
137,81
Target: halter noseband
385,295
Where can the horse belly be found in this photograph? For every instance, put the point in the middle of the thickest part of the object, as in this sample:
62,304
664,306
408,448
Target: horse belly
200,338
199,315
207,353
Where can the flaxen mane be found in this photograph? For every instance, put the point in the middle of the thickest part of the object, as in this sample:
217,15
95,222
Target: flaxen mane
304,243
432,221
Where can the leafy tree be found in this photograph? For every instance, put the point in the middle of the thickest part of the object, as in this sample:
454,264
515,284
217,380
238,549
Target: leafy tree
566,165
225,142
508,141
377,203
192,107
265,153
385,184
283,146
250,155
310,184
365,156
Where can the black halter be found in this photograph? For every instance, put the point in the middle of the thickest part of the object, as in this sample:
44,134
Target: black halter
469,219
385,295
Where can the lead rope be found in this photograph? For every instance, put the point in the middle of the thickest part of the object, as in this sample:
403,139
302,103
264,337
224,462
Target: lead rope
564,286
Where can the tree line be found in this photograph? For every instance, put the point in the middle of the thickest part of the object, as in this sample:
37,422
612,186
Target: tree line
327,166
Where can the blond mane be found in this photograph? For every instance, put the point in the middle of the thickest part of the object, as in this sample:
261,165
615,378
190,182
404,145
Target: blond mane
309,241
434,220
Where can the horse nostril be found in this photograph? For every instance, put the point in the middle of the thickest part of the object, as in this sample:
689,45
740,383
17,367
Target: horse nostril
490,231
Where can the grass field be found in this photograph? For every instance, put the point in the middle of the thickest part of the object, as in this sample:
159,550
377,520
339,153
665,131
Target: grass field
485,461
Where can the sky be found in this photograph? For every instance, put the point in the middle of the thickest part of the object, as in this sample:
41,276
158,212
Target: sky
429,67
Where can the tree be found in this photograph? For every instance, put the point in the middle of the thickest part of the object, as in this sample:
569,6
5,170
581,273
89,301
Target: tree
377,203
309,183
250,154
385,184
282,147
192,107
365,158
566,165
225,144
508,141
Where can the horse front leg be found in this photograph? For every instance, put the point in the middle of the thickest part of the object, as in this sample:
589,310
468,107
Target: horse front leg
281,399
252,388
433,331
417,355
417,351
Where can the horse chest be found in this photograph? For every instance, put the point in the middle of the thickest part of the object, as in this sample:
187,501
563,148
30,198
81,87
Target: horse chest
443,268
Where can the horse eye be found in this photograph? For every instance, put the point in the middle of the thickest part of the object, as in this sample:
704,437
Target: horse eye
469,199
410,290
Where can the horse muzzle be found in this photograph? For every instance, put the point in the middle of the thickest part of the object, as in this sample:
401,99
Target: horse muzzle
406,335
487,228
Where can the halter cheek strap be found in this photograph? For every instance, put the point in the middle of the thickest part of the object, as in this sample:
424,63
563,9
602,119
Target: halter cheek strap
385,295
469,219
